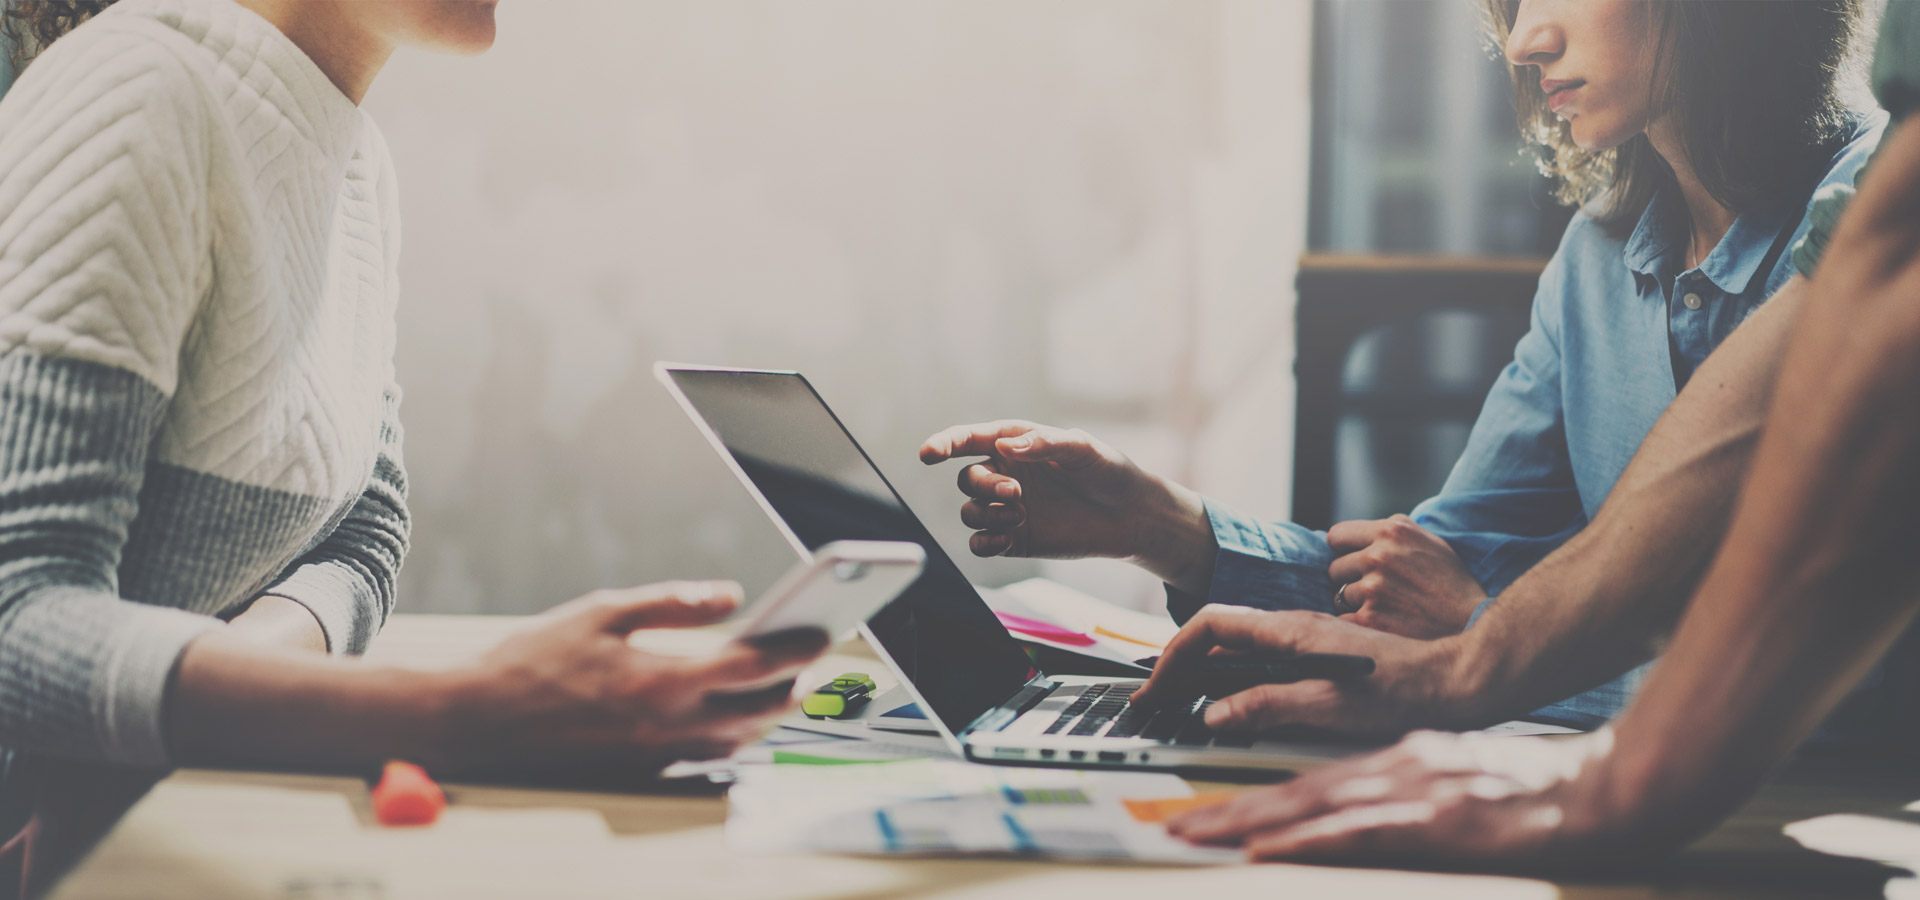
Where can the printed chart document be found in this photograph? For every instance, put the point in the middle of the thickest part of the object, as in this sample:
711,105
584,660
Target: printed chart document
946,807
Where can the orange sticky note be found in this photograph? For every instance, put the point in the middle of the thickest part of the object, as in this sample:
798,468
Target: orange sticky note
1104,631
1154,812
406,796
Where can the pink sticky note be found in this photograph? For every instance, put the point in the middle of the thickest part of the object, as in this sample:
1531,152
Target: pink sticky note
1044,630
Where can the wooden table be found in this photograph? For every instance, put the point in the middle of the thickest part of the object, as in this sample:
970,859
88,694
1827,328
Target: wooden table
209,835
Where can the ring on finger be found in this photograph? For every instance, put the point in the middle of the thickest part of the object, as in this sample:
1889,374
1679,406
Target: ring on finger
1341,604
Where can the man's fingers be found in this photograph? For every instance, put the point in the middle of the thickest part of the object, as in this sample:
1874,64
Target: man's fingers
1346,537
673,604
982,481
989,545
1252,812
1068,448
1217,625
970,440
1373,831
982,516
1271,706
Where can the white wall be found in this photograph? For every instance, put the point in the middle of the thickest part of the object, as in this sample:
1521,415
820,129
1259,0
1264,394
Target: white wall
1081,210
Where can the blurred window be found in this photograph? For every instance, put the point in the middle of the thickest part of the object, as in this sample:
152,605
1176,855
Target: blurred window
1415,153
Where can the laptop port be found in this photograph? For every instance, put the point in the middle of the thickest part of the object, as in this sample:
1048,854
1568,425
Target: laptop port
1009,753
1077,754
1046,754
1112,756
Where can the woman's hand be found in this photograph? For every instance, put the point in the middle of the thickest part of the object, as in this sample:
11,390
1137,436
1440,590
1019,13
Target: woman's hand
566,691
1400,578
1060,493
570,689
1434,798
1415,683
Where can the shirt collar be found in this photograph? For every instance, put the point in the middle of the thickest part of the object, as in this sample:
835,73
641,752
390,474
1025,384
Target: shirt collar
1658,244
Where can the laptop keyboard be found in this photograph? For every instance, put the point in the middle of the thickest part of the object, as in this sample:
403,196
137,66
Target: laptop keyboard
1105,710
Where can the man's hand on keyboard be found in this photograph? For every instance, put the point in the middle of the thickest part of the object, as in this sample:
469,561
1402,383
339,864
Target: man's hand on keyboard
1414,683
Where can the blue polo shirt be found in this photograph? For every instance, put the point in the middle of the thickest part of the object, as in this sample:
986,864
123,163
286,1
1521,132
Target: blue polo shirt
1618,326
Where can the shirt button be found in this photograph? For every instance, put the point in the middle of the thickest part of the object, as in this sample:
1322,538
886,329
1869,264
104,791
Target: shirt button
1691,300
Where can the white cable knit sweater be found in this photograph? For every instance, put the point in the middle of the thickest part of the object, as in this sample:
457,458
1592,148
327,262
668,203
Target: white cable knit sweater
198,241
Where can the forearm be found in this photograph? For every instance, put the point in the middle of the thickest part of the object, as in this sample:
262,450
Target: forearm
235,701
281,622
1809,593
1600,604
1174,540
1821,572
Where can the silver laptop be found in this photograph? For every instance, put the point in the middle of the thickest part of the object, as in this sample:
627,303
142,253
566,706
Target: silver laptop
972,679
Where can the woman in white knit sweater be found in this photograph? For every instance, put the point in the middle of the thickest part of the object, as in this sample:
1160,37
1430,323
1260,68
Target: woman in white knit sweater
202,502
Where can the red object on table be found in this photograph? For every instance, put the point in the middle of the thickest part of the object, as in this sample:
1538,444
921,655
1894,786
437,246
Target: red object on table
406,796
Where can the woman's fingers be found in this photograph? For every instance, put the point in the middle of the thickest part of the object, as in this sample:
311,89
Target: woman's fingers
672,604
758,662
741,715
1346,537
1352,567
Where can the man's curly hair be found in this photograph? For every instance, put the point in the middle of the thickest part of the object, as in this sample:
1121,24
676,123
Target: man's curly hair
30,25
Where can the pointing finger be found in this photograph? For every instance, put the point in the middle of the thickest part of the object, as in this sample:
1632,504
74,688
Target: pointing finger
970,440
1069,448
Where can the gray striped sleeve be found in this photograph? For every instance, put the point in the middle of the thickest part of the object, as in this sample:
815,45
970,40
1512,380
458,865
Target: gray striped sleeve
347,582
83,672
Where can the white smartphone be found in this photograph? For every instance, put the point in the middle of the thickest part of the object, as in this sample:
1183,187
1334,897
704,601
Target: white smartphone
844,584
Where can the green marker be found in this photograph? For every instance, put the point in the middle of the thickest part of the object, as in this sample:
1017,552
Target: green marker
839,698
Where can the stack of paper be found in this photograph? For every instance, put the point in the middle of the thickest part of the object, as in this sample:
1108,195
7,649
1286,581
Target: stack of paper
941,807
1049,613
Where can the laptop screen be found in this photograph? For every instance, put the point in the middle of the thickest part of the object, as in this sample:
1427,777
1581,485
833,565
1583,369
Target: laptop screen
823,486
